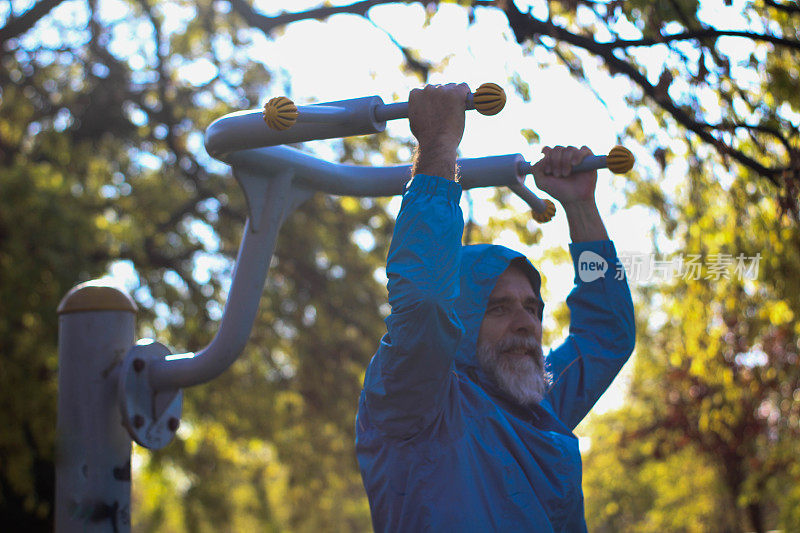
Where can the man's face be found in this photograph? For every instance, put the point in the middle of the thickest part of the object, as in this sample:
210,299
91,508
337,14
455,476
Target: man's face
510,338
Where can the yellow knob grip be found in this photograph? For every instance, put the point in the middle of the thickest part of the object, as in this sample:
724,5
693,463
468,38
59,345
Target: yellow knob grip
620,160
547,214
489,99
280,113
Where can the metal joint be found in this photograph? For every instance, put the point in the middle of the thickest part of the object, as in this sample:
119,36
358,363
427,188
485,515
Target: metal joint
151,416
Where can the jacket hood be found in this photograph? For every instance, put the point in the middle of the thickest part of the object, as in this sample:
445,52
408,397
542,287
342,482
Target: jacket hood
481,265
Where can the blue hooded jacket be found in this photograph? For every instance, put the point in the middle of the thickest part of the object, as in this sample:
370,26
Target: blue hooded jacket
440,446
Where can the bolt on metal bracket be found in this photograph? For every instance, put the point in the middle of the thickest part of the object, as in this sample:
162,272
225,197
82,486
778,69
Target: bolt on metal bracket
151,417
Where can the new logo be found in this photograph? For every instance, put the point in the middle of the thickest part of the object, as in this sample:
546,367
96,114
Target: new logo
591,266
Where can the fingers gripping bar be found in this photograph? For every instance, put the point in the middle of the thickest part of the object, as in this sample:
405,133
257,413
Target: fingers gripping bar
619,161
488,100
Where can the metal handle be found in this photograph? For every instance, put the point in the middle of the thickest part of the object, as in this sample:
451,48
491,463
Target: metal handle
288,123
280,113
489,99
619,160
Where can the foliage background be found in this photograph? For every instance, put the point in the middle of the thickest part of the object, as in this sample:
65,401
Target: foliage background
102,169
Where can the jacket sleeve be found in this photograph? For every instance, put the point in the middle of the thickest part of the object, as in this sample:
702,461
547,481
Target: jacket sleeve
408,378
601,333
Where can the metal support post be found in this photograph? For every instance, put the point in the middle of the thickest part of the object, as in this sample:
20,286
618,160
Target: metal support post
93,461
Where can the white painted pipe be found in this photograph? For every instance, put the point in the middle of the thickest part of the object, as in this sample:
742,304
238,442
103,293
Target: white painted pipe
93,458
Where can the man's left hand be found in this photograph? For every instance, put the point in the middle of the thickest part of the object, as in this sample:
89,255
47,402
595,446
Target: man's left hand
553,174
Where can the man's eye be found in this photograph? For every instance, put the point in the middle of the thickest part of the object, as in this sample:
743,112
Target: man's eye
533,310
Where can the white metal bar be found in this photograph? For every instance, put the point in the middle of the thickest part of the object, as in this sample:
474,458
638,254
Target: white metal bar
353,180
245,130
592,162
322,113
400,109
249,276
533,201
93,469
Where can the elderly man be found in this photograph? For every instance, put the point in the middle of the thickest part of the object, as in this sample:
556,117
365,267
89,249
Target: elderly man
463,425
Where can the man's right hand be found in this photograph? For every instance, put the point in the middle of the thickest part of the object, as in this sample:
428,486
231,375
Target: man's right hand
436,116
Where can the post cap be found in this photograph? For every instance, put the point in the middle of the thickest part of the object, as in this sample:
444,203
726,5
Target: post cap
96,295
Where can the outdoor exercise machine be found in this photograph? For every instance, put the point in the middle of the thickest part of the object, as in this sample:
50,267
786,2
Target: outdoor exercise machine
113,390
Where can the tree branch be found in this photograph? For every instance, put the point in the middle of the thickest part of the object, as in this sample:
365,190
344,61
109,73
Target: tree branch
422,68
791,8
708,33
16,26
525,26
730,126
267,24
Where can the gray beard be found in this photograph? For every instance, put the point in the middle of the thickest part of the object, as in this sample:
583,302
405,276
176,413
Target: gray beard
523,378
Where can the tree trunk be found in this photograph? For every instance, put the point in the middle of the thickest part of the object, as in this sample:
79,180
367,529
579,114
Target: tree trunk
756,517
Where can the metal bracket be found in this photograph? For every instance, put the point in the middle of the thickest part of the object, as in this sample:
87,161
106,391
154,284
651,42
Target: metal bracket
151,417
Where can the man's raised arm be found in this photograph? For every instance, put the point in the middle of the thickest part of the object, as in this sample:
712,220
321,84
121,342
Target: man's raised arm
408,379
602,332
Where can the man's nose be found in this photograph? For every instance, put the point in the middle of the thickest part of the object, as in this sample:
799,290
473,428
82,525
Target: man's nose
525,322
